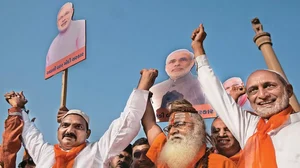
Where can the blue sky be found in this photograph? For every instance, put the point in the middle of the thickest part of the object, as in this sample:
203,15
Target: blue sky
125,36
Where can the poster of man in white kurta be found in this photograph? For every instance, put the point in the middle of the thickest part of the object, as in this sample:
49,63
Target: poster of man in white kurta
182,84
68,47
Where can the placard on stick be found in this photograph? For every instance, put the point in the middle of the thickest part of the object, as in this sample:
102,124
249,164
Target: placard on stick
69,46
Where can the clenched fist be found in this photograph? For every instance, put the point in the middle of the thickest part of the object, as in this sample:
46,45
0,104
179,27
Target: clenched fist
61,112
147,79
236,92
16,99
198,36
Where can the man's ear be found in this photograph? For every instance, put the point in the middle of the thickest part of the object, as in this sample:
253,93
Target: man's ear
289,89
88,133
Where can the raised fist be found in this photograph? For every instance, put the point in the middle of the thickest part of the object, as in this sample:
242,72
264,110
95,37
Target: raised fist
198,37
236,91
61,112
147,79
16,99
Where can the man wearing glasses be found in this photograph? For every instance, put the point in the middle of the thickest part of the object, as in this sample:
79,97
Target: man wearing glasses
185,145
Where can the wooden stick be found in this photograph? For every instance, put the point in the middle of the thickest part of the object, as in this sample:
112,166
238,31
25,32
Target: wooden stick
64,88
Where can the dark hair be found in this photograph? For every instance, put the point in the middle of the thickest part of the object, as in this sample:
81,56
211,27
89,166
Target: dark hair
140,141
25,162
128,149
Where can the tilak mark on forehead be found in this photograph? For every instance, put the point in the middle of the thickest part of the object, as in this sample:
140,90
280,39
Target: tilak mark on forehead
180,116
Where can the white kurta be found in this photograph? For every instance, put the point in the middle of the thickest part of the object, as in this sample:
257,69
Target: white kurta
97,154
286,139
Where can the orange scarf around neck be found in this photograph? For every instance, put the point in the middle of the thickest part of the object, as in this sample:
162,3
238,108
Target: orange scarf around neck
65,159
259,150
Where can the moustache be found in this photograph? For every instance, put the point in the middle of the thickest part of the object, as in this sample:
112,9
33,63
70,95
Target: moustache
70,135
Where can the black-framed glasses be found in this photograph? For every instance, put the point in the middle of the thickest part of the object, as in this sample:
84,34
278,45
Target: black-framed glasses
178,125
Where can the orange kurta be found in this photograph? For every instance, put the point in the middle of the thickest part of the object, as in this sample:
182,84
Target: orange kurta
214,160
11,139
236,158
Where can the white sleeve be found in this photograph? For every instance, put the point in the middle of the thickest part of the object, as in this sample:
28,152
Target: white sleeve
34,141
124,129
241,123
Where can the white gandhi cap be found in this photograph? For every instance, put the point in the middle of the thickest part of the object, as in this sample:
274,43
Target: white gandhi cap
78,112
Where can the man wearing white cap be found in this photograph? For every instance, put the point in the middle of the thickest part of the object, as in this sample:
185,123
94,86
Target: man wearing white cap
181,84
73,150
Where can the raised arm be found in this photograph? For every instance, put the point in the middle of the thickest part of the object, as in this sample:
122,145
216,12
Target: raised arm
31,136
151,129
11,138
124,129
241,123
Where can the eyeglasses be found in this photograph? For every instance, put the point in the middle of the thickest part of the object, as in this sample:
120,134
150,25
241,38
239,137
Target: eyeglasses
178,125
126,158
137,154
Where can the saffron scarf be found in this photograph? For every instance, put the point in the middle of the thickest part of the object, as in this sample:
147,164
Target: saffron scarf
259,150
65,159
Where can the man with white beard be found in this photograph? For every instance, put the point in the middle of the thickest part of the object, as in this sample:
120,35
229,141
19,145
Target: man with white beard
185,145
267,140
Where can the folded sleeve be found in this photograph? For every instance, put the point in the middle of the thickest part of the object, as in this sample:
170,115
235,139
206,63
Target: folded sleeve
156,147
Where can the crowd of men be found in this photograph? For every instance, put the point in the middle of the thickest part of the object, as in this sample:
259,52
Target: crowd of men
263,138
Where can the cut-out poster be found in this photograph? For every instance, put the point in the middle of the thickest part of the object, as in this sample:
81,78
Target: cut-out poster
182,84
68,47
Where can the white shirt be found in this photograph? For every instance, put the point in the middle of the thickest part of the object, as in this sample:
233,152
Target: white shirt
286,139
97,154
